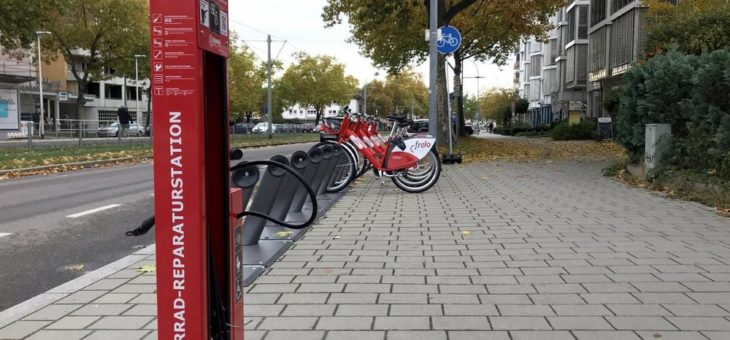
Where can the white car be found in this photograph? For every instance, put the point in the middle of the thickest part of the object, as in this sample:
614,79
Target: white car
113,129
263,128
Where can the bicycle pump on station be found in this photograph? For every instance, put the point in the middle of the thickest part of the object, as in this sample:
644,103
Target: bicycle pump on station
199,295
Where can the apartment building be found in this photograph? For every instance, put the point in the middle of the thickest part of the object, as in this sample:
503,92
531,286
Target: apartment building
103,97
616,36
552,73
593,44
20,96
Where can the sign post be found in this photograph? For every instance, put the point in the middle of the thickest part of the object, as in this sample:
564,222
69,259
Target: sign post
193,230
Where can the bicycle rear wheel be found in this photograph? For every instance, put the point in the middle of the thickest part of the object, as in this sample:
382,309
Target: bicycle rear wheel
423,181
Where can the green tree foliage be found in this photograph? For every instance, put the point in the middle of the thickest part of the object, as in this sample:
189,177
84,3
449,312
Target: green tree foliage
690,93
379,100
245,82
316,81
19,20
496,104
400,94
95,34
490,30
470,107
693,26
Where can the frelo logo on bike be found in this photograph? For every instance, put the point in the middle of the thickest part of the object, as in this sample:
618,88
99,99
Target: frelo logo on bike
420,145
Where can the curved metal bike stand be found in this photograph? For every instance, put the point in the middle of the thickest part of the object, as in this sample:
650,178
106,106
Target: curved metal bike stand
337,152
315,158
284,199
326,200
259,252
323,178
246,179
325,168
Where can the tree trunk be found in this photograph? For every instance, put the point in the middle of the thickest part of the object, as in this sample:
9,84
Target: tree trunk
459,95
80,99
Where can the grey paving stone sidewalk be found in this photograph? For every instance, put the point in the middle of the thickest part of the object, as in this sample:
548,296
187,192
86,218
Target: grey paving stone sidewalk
498,251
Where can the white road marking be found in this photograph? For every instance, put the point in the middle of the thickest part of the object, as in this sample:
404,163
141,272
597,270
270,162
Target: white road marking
89,212
5,234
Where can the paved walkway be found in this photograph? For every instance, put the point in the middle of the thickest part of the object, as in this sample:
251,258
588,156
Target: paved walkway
542,251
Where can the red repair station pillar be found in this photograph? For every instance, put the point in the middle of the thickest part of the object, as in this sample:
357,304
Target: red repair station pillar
199,295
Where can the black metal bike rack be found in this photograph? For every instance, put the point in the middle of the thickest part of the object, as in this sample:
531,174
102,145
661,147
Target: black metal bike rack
259,252
277,205
284,199
311,174
246,179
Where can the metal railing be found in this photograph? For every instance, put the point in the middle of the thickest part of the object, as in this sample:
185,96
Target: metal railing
72,132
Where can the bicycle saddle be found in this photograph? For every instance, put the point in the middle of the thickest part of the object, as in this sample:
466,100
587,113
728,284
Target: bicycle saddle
399,119
405,123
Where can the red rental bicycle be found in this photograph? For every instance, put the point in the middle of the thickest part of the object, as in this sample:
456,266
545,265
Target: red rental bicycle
412,163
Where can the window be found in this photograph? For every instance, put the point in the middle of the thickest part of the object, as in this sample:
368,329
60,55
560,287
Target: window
535,65
107,117
581,64
550,81
534,94
583,23
598,11
553,50
132,93
622,40
536,47
570,67
619,4
572,22
113,91
93,89
597,50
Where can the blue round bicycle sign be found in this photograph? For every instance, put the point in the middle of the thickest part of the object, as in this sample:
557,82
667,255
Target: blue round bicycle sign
450,40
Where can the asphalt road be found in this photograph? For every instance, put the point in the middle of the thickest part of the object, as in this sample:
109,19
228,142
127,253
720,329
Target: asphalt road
58,227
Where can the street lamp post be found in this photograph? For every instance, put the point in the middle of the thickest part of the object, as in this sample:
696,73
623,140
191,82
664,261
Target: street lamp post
365,95
479,94
40,82
136,85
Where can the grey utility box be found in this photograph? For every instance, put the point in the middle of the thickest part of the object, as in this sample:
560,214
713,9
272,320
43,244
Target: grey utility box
655,134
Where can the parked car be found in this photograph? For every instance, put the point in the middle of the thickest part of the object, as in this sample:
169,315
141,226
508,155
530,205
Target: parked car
113,129
241,128
419,125
309,128
263,128
284,128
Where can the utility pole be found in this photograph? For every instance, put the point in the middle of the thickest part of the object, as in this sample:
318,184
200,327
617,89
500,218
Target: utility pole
365,100
268,100
479,93
42,119
433,83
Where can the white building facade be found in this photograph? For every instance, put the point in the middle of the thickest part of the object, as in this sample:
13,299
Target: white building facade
298,112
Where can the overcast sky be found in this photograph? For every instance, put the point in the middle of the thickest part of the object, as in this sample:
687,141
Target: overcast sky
299,23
